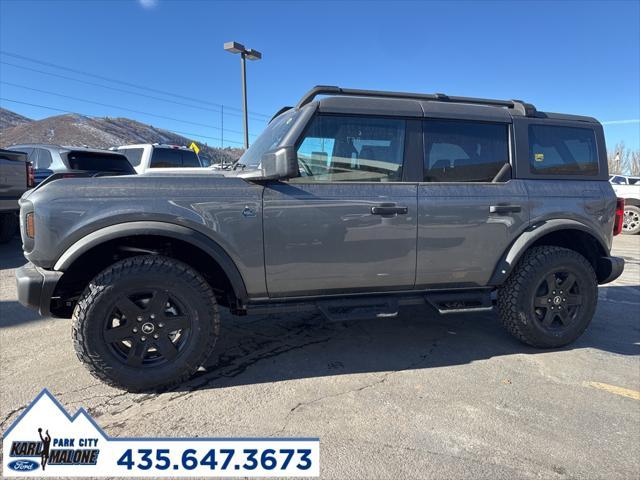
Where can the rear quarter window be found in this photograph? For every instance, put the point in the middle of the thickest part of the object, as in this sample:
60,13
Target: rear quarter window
557,150
134,155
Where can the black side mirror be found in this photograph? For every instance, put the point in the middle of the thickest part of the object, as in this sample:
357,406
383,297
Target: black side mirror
279,164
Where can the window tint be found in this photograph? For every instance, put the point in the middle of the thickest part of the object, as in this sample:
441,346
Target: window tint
173,158
461,151
562,150
190,159
617,180
352,149
99,162
166,158
134,155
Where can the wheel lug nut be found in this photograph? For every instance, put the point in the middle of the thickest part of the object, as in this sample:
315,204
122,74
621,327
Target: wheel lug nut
135,330
143,338
155,336
564,299
152,316
549,300
139,319
160,325
554,292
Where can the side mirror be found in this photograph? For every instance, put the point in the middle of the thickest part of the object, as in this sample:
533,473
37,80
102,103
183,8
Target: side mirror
280,163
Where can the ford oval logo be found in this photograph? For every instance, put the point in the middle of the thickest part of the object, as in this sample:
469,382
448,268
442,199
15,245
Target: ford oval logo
23,465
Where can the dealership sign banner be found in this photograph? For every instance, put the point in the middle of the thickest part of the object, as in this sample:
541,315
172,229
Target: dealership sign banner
45,441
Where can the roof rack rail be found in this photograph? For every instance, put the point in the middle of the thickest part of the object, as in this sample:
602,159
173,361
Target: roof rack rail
521,107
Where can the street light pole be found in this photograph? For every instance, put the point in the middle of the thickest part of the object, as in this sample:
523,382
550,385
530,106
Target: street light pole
245,54
245,116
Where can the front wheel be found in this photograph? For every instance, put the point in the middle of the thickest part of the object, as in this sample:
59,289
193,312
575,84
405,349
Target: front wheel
550,297
145,323
631,220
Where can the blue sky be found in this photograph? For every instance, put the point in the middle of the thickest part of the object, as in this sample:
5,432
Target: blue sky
574,57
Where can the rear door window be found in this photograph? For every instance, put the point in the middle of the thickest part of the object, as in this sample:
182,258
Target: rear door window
170,158
556,150
464,151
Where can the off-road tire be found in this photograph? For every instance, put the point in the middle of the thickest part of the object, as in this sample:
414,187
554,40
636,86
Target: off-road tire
632,210
94,306
8,226
516,296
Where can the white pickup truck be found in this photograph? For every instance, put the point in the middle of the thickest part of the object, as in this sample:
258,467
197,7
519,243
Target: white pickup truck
147,156
629,189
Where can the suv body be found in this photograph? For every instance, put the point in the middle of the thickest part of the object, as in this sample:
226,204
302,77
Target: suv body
48,159
157,157
353,204
628,188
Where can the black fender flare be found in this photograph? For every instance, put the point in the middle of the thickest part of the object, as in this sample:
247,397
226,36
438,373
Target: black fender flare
171,230
533,233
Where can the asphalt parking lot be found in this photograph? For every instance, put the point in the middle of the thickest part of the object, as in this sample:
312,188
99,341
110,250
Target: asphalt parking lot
419,396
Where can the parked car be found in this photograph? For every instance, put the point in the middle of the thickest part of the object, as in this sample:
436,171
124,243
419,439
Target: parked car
628,188
16,177
49,159
352,204
155,156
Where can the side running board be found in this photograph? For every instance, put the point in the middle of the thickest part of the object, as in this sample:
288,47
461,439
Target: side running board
461,302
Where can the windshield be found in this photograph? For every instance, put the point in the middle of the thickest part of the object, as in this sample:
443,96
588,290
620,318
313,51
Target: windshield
268,139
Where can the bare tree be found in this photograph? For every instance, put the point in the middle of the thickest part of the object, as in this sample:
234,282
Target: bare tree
618,159
634,163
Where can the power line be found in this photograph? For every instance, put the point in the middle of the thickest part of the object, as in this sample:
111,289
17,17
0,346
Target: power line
86,82
101,77
48,107
116,106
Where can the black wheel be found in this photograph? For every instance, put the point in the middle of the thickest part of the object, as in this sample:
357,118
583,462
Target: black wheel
145,323
8,226
549,298
631,220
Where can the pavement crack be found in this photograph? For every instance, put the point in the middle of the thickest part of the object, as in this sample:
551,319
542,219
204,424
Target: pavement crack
372,384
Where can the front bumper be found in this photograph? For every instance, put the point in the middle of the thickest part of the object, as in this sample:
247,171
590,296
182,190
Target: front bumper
36,287
609,268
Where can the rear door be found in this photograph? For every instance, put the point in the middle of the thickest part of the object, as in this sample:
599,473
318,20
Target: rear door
466,221
349,222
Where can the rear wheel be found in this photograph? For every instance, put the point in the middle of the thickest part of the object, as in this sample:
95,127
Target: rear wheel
145,323
550,297
631,220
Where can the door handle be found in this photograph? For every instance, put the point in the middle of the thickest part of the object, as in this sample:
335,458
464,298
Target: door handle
389,210
499,209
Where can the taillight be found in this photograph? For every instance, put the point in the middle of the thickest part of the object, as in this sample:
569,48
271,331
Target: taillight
617,224
31,176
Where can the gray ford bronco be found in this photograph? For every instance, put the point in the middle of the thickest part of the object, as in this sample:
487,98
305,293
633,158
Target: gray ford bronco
352,203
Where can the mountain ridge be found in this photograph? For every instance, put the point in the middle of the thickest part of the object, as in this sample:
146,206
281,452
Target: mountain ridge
97,132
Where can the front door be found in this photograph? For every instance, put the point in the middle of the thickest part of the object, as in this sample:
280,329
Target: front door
349,222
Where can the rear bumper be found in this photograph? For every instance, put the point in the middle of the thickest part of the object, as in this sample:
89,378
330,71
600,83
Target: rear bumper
609,268
36,286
